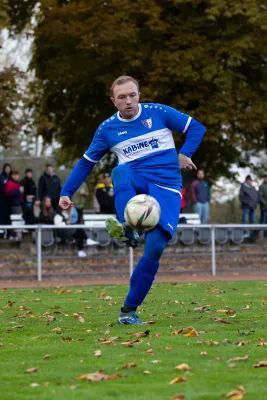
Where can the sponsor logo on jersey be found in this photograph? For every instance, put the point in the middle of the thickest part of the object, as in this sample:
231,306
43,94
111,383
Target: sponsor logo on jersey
138,147
122,133
147,123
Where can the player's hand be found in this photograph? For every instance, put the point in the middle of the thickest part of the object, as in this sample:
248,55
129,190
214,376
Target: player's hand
65,202
186,163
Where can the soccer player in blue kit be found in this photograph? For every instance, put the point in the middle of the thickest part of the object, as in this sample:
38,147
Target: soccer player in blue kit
140,135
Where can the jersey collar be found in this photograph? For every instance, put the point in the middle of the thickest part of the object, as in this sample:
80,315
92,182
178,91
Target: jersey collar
131,119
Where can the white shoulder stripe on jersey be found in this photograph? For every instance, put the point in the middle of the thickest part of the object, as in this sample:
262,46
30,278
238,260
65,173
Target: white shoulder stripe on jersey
89,159
172,190
187,124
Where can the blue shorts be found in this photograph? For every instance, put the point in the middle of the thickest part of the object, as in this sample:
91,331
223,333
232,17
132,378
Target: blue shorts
169,200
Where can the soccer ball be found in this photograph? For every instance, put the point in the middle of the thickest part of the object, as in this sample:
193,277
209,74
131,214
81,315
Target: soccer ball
142,212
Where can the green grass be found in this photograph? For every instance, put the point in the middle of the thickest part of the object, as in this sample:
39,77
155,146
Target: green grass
72,347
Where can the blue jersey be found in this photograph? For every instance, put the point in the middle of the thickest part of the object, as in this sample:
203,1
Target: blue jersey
144,142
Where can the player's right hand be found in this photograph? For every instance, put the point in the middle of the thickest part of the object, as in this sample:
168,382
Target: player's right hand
186,163
65,202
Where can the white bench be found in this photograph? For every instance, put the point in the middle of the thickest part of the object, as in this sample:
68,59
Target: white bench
17,219
98,220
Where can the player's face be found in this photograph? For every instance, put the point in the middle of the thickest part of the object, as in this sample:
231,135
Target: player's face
126,99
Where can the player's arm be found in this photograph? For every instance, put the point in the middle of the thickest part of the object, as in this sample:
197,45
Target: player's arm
194,130
97,149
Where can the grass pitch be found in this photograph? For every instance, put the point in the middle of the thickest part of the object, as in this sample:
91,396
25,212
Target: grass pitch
49,337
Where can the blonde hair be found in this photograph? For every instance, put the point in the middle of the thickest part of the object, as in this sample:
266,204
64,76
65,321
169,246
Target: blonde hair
121,80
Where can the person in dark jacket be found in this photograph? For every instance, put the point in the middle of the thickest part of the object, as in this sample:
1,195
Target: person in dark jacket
263,201
200,194
105,196
30,191
31,215
49,185
4,200
47,213
249,200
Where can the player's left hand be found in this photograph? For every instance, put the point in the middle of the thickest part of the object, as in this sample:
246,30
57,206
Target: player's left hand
186,163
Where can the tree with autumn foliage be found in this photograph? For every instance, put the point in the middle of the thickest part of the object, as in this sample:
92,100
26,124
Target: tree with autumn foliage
205,58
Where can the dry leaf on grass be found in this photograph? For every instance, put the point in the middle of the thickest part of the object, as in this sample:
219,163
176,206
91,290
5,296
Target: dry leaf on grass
142,334
130,365
156,361
178,397
80,319
183,330
168,348
131,343
203,308
203,353
57,329
31,370
217,319
150,352
98,376
191,333
146,372
98,353
34,384
262,342
261,364
18,327
179,379
237,394
110,340
47,356
238,358
246,307
183,367
231,365
245,333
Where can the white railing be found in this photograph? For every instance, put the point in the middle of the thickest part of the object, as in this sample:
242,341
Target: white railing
39,228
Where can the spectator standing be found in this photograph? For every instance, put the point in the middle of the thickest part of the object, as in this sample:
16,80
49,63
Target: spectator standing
14,191
30,190
4,200
49,185
249,200
200,193
105,196
263,201
79,200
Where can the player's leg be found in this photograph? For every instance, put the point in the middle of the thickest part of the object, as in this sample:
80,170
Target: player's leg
127,184
156,241
144,274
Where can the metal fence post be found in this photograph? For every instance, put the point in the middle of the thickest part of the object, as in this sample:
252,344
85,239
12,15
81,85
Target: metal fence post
131,260
39,253
213,251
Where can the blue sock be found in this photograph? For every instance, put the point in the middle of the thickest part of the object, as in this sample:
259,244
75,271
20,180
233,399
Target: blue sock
147,267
